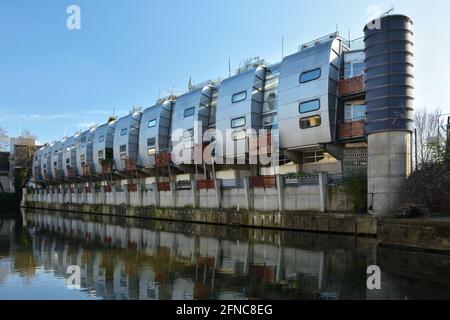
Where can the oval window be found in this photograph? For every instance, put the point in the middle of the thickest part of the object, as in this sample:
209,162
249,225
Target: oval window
309,106
189,112
239,122
311,75
238,97
310,122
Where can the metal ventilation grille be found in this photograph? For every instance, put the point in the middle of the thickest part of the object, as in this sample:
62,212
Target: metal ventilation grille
355,159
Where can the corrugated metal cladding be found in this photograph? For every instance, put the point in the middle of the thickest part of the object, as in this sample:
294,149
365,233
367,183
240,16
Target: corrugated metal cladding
389,75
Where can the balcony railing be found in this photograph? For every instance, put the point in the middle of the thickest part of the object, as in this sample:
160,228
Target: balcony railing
352,129
351,86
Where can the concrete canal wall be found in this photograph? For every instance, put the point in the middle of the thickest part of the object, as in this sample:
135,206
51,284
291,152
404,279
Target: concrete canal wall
315,222
314,195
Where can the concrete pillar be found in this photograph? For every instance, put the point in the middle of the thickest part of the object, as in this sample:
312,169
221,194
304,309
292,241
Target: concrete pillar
114,194
63,194
389,164
323,191
93,193
218,187
141,190
156,193
173,191
127,195
247,194
24,196
70,194
84,193
195,199
103,195
280,192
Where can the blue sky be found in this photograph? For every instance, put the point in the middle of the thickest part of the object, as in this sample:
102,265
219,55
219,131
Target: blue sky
55,81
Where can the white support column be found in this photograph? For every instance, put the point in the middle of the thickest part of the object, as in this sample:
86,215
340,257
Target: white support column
280,192
218,188
114,194
194,190
173,191
141,190
247,192
323,190
156,193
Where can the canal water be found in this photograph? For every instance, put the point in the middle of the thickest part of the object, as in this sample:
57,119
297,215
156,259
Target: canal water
119,258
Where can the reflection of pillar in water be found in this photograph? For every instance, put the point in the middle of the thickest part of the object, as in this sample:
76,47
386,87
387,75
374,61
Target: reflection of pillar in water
148,288
320,275
280,264
120,281
65,255
99,275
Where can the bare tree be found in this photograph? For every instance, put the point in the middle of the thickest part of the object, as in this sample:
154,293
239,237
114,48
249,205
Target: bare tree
26,138
430,142
3,139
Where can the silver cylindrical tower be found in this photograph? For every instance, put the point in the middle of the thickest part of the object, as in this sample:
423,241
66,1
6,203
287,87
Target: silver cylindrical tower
389,100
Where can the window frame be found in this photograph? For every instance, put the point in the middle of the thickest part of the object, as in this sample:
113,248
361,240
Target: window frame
153,123
307,102
233,97
122,132
235,119
308,72
309,117
101,138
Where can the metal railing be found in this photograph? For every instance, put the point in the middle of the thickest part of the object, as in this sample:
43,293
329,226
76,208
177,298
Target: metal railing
304,180
335,180
232,183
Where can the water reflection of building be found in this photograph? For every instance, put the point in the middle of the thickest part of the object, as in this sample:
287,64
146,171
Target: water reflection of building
130,262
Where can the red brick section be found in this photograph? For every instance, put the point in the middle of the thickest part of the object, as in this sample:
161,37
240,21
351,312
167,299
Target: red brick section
163,186
263,182
163,159
130,164
349,130
351,86
205,184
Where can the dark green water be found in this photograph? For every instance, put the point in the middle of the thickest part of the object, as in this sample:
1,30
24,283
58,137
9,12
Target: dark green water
140,259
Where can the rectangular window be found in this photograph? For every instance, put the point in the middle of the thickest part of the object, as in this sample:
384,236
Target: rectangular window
67,161
151,142
100,154
152,123
101,138
239,122
123,148
189,112
238,97
151,151
355,112
309,106
82,157
55,164
239,135
358,69
310,122
124,132
310,75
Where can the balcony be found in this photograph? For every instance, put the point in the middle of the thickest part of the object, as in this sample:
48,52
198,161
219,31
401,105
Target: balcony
351,86
354,129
